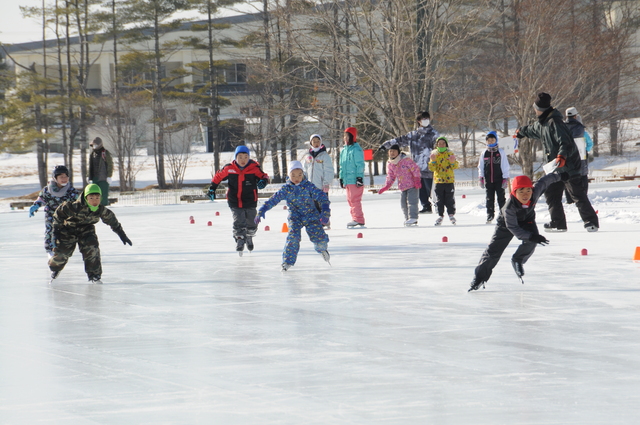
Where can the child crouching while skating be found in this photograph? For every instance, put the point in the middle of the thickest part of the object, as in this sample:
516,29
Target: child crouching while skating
518,218
442,163
52,196
407,172
73,223
301,196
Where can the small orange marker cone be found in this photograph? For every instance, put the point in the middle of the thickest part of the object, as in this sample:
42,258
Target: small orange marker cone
267,228
636,256
445,239
584,251
359,235
285,228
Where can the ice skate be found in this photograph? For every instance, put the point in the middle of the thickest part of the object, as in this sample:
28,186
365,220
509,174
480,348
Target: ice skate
411,222
49,254
552,228
54,275
354,224
94,278
519,269
452,219
250,243
439,221
327,226
286,267
591,227
476,284
325,256
240,245
426,210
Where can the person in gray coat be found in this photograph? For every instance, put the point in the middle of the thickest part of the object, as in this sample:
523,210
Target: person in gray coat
100,168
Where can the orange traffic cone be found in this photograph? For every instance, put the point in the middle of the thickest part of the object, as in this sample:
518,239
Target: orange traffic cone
285,228
636,256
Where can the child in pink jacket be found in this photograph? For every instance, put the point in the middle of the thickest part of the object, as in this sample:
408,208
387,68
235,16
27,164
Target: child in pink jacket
407,172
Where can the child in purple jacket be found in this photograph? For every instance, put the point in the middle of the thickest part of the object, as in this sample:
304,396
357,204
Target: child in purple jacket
407,172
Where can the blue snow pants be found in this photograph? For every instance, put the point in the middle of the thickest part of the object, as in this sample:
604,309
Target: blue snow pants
316,234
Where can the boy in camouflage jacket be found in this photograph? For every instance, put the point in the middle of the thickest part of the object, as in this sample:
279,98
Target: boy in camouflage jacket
73,223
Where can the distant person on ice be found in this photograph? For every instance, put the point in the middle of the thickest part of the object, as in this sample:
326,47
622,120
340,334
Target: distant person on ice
244,177
583,143
518,219
558,145
493,173
443,163
308,207
407,172
352,175
318,166
100,168
59,190
73,223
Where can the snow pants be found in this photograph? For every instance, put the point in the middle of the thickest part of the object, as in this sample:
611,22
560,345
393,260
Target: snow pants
87,241
104,188
409,203
425,193
553,194
445,197
48,231
499,242
494,190
243,224
354,198
316,234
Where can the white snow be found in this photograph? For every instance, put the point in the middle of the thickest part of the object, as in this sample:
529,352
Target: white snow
183,331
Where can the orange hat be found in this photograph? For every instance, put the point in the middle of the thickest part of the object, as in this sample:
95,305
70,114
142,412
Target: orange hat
520,181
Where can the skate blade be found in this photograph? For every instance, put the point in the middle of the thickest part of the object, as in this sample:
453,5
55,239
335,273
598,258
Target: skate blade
555,230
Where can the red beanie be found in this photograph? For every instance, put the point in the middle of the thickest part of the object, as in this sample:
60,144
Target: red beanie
520,181
353,132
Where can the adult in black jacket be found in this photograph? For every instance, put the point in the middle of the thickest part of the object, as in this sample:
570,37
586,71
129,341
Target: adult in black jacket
558,145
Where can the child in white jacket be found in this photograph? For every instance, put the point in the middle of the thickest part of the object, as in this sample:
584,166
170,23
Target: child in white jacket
318,166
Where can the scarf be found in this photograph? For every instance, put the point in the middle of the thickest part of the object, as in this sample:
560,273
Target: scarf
56,191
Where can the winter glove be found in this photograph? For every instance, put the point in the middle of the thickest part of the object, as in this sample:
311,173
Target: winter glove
259,217
382,190
211,193
341,184
518,135
564,176
505,183
538,239
359,182
326,188
561,161
123,237
381,149
33,209
452,158
433,157
262,183
324,220
481,182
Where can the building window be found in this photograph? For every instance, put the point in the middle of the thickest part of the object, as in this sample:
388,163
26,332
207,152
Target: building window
236,74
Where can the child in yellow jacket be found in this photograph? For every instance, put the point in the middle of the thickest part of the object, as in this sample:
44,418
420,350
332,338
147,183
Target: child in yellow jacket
442,163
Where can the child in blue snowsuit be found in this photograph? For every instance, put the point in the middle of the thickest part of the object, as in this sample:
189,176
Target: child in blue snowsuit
300,195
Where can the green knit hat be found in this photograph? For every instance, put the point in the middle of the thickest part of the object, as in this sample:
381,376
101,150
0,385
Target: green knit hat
92,188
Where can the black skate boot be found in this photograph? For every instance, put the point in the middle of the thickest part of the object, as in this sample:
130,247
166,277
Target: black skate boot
519,269
490,218
553,228
95,278
476,284
240,244
53,276
590,227
250,243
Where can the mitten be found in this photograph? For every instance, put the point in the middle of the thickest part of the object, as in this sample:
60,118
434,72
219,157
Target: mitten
481,182
259,217
452,158
382,190
561,161
123,237
326,188
324,220
341,184
538,239
262,183
359,182
211,193
432,157
505,183
33,209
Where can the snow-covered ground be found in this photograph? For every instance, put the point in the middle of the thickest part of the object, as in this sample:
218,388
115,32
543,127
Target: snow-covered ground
184,331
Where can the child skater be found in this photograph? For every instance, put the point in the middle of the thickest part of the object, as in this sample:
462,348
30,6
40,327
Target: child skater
518,219
493,173
55,193
318,166
244,177
352,175
407,172
73,223
442,163
301,196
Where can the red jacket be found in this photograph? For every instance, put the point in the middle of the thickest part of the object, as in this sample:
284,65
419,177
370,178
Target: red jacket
243,189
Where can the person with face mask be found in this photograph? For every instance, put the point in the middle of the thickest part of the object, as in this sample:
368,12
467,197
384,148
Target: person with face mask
493,174
100,168
421,142
59,190
443,163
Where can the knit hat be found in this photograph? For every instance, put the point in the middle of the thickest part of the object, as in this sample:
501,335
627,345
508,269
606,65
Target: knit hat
96,143
315,135
542,102
446,142
353,132
241,149
492,134
519,182
294,165
90,189
571,112
59,169
395,147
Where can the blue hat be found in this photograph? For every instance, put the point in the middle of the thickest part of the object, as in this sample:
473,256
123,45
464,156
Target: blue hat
495,136
242,149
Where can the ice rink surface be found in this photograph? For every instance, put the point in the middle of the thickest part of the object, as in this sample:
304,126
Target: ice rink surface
184,331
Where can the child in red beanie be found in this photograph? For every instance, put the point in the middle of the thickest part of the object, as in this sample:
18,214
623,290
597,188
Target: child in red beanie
517,218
